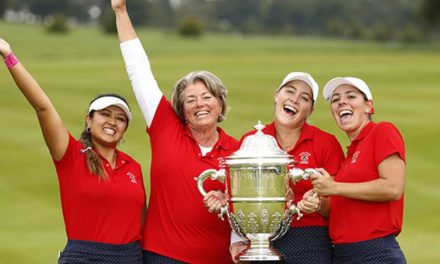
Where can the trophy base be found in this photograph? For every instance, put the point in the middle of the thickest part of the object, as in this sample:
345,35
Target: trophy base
259,254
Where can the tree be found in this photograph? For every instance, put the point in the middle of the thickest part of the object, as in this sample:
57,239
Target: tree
430,12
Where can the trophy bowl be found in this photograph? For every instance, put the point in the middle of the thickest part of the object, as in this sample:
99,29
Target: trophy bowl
260,204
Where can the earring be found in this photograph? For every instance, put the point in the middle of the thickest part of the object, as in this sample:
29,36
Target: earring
88,129
122,140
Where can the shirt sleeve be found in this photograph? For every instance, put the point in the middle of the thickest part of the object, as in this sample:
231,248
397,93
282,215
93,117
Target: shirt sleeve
389,141
145,87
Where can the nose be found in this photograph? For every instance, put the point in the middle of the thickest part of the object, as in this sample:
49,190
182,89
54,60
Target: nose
199,101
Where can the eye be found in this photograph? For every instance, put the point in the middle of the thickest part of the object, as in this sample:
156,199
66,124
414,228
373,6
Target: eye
122,119
334,100
305,98
190,101
104,113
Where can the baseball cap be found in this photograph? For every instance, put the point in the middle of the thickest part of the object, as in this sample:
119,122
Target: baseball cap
334,83
302,76
106,101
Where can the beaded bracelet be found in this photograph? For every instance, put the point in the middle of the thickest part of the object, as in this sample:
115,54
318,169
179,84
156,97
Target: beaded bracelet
11,60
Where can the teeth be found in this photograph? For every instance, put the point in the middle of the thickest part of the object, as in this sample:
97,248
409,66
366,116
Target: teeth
345,112
201,113
109,131
290,108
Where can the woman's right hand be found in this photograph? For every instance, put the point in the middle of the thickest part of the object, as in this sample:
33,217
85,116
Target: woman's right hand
214,200
5,48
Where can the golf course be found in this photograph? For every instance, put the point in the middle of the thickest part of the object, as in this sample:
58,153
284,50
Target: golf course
73,68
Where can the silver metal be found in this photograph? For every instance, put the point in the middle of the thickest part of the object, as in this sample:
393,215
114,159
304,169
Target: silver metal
260,201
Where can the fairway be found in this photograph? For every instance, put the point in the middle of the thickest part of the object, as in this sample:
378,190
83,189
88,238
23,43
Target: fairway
73,68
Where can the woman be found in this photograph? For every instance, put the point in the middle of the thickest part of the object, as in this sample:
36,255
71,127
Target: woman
102,191
307,241
367,193
185,141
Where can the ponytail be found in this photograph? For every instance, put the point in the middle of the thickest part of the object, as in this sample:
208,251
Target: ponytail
93,160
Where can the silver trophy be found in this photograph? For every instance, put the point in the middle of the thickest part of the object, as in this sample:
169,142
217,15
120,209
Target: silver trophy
260,204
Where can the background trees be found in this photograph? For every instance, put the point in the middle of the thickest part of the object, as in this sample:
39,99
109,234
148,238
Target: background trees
391,20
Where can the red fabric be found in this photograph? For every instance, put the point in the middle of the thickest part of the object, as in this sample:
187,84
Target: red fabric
178,225
355,220
314,149
96,210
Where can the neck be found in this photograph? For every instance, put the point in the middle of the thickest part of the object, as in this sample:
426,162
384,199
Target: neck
354,134
287,137
108,153
205,138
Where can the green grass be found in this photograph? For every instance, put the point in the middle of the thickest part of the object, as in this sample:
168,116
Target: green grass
74,68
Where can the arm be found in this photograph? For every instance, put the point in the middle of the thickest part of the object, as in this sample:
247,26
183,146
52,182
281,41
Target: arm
388,187
52,127
138,68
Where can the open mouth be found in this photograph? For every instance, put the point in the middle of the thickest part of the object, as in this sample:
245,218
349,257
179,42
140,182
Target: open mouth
109,131
201,113
290,110
345,114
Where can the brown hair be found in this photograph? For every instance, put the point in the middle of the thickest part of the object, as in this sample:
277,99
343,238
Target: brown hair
94,162
212,82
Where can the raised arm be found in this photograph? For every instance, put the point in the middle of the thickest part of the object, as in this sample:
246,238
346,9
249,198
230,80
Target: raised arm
54,132
126,31
145,88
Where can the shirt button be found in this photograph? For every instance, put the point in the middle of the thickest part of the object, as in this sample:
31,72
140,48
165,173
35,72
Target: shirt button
123,161
107,164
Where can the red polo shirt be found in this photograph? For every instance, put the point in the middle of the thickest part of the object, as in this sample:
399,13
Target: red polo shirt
314,149
178,225
96,210
355,220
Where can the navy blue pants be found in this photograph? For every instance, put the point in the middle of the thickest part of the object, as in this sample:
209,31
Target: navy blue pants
383,250
86,252
151,257
305,245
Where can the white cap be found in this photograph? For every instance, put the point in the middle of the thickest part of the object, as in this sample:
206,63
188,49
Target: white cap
106,101
334,83
305,77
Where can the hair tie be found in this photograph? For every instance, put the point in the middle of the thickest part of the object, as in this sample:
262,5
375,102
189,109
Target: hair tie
84,150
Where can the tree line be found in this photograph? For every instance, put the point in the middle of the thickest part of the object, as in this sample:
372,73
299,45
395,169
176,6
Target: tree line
390,20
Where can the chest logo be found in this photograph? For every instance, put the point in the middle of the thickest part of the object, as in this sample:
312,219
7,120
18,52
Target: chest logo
132,177
304,157
355,157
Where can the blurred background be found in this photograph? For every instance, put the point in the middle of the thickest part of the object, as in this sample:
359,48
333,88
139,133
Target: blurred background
72,50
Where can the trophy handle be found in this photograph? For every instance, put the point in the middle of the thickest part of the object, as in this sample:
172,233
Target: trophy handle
213,174
295,174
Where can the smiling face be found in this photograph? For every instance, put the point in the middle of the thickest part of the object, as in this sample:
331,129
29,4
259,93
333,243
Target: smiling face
350,109
107,126
293,104
201,108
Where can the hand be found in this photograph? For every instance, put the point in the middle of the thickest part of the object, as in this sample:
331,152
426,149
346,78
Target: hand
214,200
310,203
236,248
118,5
323,183
5,48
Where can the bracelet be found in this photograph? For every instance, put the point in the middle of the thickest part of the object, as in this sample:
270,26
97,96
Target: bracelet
11,60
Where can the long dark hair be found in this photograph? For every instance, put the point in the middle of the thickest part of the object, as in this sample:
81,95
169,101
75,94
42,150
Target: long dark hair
94,162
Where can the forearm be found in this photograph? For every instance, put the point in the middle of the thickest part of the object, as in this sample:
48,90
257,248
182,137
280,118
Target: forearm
124,26
142,80
379,190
